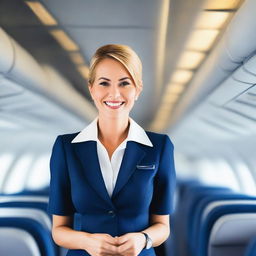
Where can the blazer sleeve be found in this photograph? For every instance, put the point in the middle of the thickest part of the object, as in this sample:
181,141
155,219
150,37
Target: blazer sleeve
60,202
164,182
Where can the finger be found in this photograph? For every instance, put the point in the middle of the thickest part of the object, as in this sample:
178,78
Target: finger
111,240
116,240
122,239
110,249
124,248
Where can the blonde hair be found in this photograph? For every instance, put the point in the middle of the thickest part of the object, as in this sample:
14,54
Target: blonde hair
123,54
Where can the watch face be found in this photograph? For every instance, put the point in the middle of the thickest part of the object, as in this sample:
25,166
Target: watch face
149,243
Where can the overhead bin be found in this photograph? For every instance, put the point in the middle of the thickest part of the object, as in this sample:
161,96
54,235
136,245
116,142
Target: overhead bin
242,108
65,92
227,91
240,81
250,65
248,97
6,53
240,37
9,88
18,67
227,119
231,108
233,49
244,76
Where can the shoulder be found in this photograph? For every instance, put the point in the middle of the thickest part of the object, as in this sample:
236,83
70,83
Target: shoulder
159,138
68,137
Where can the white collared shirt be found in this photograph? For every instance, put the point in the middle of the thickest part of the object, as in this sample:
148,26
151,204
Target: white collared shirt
110,167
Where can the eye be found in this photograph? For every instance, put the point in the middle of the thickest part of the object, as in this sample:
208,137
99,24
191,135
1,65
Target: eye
124,83
104,83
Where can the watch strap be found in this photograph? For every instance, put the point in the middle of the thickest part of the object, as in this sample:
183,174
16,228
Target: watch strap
147,239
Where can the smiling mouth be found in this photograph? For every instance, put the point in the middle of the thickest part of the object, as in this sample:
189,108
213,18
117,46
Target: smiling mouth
114,104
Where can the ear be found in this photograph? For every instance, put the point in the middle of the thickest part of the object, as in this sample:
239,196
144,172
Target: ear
138,91
90,88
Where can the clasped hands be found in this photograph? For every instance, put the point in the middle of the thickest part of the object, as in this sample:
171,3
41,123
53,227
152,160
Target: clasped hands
130,244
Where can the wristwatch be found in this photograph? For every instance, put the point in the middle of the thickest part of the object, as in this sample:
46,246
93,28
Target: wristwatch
149,242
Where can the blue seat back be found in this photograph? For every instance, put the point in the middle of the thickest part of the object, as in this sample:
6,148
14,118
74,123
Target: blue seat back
251,248
206,226
36,229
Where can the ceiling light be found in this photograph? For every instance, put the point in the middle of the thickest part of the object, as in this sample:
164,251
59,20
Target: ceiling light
169,99
221,4
64,40
160,122
45,17
190,59
161,44
77,58
165,110
175,88
212,20
84,71
202,39
181,76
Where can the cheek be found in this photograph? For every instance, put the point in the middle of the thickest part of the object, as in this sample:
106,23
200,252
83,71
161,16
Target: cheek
131,94
98,94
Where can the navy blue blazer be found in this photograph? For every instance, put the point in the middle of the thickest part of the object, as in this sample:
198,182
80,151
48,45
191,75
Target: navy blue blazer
145,185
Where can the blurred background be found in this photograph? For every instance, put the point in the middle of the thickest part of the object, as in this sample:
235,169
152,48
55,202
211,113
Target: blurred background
199,74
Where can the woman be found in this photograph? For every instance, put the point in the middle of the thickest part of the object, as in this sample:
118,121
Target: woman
117,177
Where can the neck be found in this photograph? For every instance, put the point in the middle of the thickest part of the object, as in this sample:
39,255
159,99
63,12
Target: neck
113,131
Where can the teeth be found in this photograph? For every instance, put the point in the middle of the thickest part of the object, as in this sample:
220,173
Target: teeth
113,104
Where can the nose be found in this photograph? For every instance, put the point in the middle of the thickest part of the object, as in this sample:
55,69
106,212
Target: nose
114,91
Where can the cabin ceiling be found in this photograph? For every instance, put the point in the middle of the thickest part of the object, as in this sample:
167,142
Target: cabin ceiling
94,23
139,24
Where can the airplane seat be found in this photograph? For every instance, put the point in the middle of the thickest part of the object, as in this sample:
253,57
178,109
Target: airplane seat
173,244
183,184
251,248
25,243
209,238
39,203
22,212
231,234
20,201
40,234
192,198
39,192
201,211
192,195
168,247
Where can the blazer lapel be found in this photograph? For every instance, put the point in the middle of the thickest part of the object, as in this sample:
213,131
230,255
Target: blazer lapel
133,154
87,154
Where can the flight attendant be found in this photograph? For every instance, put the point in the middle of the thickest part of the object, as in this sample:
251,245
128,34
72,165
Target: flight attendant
117,177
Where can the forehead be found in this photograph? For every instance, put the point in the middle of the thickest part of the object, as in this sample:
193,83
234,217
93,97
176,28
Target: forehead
110,67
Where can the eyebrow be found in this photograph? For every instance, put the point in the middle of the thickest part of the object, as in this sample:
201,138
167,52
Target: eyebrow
121,79
124,78
104,78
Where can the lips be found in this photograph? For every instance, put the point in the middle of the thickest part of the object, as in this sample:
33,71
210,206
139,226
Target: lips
114,104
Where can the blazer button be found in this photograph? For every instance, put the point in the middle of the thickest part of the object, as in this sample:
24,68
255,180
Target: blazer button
112,213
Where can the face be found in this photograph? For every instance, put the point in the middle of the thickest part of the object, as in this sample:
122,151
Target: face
113,90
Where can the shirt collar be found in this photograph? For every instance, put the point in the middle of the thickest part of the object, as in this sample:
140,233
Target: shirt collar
135,133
